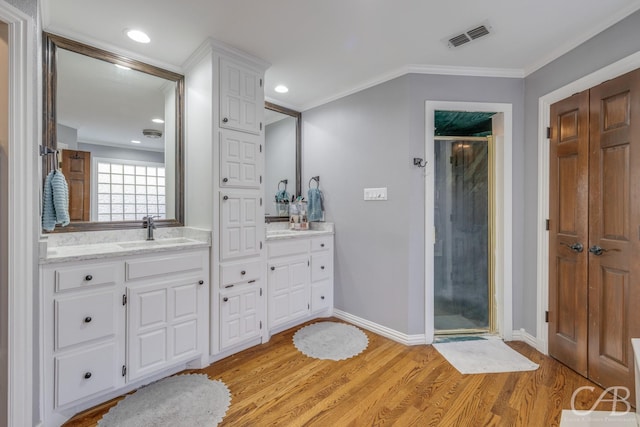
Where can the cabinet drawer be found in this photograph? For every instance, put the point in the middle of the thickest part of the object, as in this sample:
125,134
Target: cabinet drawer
321,266
158,266
83,373
231,274
83,318
321,296
87,275
322,243
292,247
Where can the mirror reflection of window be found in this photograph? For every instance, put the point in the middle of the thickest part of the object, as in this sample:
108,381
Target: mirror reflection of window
122,119
280,158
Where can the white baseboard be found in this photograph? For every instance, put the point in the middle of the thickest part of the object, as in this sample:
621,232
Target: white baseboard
526,337
380,330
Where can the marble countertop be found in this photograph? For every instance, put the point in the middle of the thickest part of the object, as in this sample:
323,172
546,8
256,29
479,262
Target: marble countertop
65,247
280,230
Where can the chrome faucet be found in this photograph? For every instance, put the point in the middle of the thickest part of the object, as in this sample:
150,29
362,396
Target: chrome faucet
147,222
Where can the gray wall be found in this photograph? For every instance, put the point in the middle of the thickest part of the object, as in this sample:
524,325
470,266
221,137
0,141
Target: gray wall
68,136
122,153
368,139
611,45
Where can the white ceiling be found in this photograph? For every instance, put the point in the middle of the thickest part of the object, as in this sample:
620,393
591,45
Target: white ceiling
328,48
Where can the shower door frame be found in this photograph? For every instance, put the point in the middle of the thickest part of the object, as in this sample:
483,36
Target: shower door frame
503,213
491,312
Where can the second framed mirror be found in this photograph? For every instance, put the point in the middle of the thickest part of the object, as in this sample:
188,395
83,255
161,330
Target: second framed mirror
282,160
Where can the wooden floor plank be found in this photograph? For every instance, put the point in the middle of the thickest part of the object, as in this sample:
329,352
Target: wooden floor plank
387,384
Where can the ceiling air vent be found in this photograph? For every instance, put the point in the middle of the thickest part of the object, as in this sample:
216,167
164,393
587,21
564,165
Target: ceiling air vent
472,34
152,133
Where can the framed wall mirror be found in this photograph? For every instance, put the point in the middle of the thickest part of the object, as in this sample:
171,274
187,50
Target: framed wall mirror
114,127
282,160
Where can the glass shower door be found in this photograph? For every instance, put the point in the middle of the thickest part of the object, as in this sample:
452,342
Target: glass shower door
463,234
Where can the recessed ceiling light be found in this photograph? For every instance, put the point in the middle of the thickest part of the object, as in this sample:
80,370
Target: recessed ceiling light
122,67
135,141
281,89
157,120
138,36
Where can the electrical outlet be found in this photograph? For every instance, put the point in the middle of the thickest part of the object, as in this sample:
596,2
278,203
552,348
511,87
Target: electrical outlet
375,193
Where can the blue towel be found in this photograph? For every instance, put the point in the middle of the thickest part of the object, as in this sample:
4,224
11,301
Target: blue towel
315,204
55,201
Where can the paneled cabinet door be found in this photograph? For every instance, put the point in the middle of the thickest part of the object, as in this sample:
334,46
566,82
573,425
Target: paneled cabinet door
240,155
241,98
239,224
239,316
288,284
162,325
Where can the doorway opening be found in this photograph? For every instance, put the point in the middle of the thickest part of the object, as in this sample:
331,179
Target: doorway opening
464,222
502,134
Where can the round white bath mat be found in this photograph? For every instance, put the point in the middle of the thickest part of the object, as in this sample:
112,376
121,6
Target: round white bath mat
180,401
330,340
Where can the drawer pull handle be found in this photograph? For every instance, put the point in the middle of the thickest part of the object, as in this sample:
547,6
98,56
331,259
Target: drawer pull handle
87,375
322,297
88,277
252,281
88,319
225,299
229,286
322,245
200,282
242,273
272,268
322,267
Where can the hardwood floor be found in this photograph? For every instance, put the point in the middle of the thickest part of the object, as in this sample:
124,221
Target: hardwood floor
387,384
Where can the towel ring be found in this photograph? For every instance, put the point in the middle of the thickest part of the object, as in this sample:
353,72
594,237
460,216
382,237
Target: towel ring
316,179
285,182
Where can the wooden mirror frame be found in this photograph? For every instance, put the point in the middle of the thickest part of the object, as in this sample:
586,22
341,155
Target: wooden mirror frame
51,43
298,117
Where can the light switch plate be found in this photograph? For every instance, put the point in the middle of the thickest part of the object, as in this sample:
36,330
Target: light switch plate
375,193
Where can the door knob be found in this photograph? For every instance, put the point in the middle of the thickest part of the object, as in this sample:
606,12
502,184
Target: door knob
576,247
596,250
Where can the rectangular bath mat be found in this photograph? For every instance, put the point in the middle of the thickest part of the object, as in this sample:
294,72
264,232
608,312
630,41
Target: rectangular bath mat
484,356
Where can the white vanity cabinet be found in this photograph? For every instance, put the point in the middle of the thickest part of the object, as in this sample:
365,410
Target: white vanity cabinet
107,325
299,279
241,97
224,94
167,312
240,303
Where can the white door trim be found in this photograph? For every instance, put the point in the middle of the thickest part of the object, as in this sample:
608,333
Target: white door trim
616,69
504,212
23,214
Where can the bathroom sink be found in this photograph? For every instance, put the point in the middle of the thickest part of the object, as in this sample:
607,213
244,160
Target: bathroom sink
142,244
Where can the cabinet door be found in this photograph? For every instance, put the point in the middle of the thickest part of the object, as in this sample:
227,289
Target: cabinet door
162,325
240,315
241,98
240,155
288,287
239,225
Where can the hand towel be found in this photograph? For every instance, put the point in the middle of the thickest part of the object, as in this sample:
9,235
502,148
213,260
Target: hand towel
282,196
55,201
315,205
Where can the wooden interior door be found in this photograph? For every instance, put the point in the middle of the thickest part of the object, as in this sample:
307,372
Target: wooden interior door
76,167
614,230
568,231
594,231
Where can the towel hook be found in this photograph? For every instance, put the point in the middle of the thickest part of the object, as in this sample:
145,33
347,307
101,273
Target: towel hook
316,179
285,182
